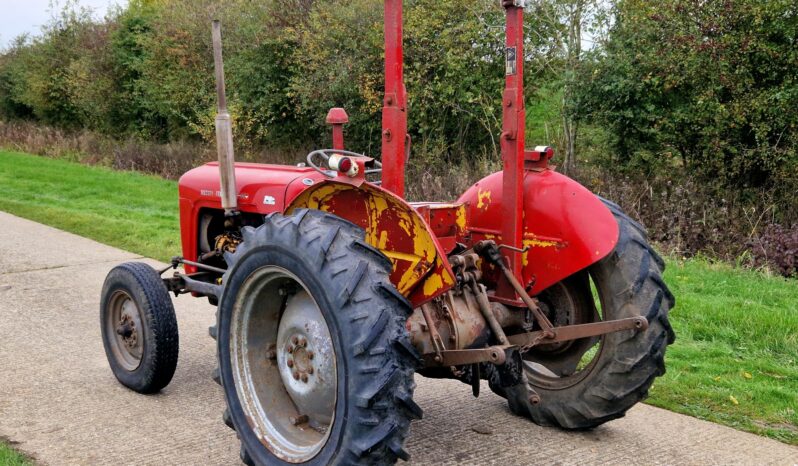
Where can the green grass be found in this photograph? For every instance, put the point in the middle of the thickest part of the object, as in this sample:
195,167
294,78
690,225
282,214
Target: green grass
9,457
735,360
135,212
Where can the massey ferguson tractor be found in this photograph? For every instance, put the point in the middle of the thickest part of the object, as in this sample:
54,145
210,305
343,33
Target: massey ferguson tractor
332,290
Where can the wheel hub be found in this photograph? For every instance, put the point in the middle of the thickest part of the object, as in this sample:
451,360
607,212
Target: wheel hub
300,358
305,363
127,344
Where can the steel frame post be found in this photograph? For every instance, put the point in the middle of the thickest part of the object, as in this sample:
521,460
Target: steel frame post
512,142
394,110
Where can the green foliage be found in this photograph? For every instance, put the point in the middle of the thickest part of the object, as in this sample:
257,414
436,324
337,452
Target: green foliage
454,71
710,86
146,71
48,79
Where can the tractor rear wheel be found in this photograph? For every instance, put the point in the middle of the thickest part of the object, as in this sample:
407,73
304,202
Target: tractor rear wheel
314,358
587,382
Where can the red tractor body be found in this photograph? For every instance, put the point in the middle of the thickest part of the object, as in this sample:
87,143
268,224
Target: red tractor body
333,290
565,226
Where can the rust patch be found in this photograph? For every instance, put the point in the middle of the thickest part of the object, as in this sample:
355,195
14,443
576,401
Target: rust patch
419,269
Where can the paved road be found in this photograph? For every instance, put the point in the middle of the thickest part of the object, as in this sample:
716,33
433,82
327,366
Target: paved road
60,402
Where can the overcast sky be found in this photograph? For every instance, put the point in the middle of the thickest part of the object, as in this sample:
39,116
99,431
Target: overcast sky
18,16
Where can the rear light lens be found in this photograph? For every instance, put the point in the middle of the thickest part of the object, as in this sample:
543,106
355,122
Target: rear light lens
345,164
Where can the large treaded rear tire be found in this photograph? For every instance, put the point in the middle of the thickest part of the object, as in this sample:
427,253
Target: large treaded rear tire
366,317
630,283
141,283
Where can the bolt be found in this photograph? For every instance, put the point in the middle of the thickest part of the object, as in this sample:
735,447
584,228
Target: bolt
289,349
296,375
534,399
438,358
290,363
302,342
301,419
310,354
271,354
294,340
305,378
310,370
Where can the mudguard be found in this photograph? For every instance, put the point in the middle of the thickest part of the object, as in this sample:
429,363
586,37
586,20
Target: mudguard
566,227
420,269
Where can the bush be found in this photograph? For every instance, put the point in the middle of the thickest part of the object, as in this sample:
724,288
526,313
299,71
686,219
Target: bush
707,86
777,248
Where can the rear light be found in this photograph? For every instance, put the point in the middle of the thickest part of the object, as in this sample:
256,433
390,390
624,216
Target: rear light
344,165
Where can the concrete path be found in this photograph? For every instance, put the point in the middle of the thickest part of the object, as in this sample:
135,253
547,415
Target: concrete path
60,403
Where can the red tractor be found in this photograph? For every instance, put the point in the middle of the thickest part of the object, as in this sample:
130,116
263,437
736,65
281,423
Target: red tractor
332,290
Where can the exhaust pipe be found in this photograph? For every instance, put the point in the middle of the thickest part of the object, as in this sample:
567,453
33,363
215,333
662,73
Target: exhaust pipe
224,130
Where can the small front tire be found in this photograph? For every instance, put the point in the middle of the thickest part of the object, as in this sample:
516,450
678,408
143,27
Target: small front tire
139,327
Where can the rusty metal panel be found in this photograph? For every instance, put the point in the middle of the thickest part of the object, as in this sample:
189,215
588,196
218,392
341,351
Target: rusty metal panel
420,270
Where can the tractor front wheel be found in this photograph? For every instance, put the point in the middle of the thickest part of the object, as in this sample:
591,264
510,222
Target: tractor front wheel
314,358
584,383
139,327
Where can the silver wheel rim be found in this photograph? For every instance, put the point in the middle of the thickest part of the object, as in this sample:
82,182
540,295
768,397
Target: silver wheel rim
123,325
540,375
283,364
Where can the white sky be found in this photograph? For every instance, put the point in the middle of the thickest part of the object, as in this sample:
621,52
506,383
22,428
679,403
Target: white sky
19,16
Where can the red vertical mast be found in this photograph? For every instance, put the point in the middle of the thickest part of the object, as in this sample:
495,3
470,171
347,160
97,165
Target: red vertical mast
512,139
394,110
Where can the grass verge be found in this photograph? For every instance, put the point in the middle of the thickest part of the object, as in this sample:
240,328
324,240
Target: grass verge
10,457
735,360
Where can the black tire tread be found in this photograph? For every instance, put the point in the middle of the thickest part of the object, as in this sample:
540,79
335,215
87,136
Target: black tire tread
151,296
383,360
635,271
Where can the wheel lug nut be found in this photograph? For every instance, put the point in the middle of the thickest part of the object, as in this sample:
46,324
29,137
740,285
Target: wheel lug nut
296,375
290,363
302,342
310,354
289,349
310,370
304,378
294,340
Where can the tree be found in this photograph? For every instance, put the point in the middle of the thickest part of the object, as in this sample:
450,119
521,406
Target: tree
709,86
572,25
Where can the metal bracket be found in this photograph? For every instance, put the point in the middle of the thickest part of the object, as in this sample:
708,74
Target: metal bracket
492,354
575,332
490,251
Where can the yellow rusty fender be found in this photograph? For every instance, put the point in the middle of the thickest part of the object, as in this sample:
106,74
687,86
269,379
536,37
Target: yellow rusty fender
420,270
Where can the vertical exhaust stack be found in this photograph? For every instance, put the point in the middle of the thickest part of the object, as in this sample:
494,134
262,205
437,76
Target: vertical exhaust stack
224,130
